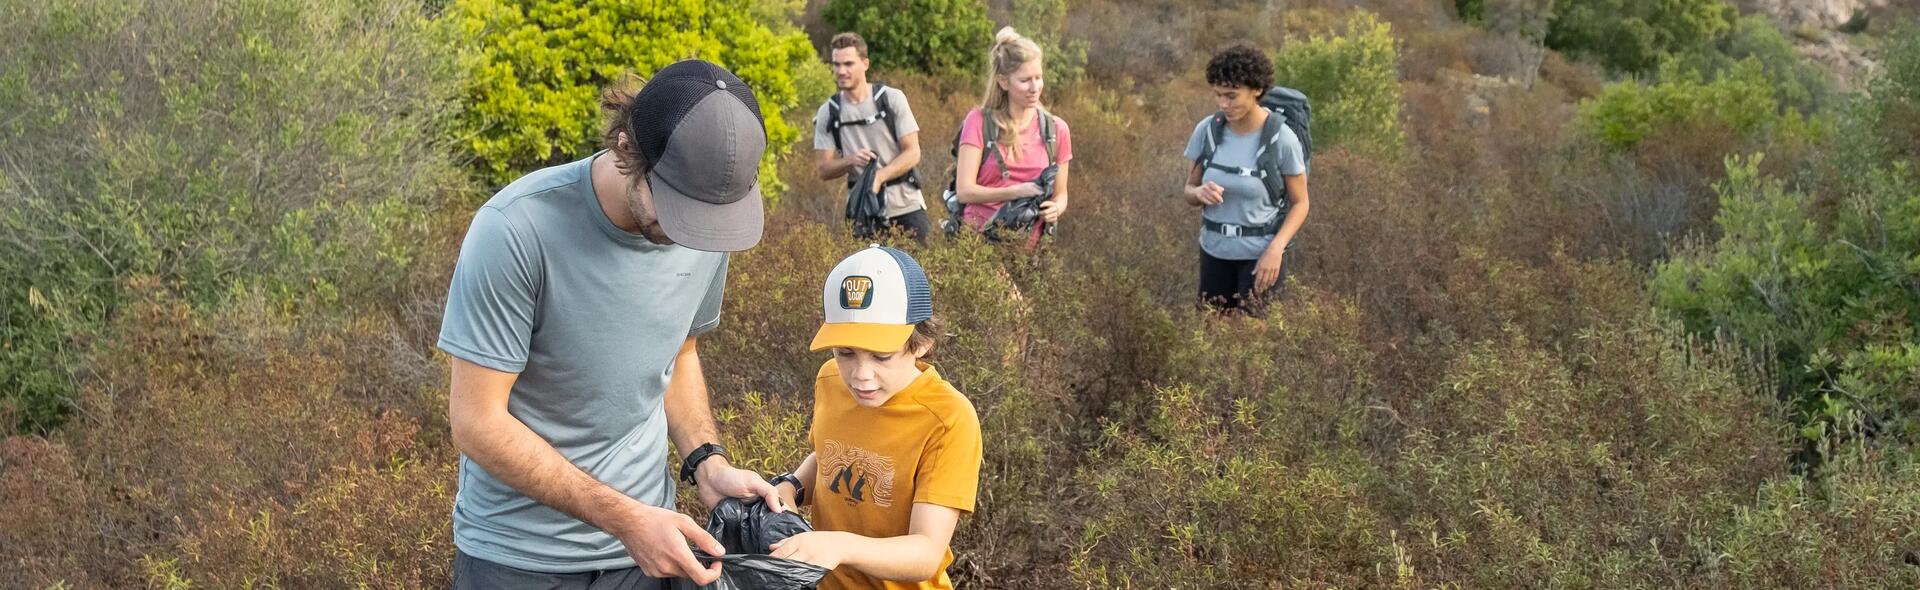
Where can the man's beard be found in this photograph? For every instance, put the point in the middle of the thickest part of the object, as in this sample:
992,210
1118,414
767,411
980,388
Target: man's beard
644,217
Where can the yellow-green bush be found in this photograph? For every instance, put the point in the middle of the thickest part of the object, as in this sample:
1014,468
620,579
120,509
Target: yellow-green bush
1741,101
941,37
536,68
1352,78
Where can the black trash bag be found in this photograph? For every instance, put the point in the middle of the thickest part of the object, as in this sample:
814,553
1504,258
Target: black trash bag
748,530
1020,214
864,206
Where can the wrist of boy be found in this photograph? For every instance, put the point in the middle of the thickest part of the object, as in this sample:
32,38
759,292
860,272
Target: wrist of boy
789,479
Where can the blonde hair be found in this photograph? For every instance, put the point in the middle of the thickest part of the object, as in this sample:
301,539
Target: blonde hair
1010,51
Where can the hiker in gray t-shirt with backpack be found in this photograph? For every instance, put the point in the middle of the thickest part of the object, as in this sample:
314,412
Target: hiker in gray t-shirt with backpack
866,132
1249,179
572,322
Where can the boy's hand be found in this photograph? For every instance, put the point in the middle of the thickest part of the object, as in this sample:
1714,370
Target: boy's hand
719,480
821,548
788,495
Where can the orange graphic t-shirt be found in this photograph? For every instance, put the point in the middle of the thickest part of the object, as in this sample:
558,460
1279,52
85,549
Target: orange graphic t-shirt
923,445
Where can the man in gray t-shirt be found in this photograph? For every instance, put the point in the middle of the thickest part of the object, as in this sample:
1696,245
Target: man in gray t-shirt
875,126
572,318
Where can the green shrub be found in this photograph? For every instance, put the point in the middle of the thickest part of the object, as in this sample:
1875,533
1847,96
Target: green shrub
1353,80
1633,36
536,69
1596,463
941,37
1741,101
1798,83
1826,291
1854,528
1046,22
1885,125
286,148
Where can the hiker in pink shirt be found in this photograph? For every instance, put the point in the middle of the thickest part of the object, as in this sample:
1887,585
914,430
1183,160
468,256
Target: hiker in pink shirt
1019,150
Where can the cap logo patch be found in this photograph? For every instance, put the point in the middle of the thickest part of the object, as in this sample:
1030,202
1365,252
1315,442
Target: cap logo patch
856,292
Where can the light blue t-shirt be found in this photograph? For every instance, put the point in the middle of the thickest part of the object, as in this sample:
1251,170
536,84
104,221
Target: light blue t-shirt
591,317
1246,202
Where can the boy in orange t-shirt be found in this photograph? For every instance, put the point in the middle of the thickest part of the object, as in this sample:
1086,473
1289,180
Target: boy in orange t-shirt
896,450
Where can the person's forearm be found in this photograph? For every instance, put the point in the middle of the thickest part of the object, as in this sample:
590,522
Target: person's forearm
899,167
1060,184
805,473
689,417
1192,195
906,558
507,449
1296,217
831,167
1296,211
809,468
978,195
1196,178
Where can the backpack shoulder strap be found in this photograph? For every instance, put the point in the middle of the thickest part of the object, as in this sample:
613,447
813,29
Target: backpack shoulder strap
1267,159
884,109
1047,135
1270,132
989,143
834,123
1216,125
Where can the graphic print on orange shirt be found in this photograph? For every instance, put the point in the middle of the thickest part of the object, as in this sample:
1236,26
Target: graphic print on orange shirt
858,474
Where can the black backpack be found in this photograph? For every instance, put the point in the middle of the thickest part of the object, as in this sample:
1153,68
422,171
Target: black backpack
883,113
989,138
1288,107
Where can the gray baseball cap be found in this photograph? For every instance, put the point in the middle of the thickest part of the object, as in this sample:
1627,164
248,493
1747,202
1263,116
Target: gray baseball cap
700,127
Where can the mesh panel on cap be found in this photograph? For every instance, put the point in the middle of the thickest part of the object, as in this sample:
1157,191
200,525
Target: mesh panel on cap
919,293
671,94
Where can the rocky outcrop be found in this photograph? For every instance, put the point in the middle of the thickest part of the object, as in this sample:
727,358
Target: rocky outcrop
1850,65
1824,14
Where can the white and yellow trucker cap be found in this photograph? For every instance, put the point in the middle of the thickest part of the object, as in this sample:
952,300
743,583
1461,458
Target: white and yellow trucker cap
872,299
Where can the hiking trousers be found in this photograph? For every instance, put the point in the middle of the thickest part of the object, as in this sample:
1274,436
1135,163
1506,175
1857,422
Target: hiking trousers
1228,284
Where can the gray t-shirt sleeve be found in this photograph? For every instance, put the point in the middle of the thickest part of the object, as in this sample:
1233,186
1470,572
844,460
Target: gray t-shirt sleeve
903,122
1293,161
708,317
490,304
1198,141
822,139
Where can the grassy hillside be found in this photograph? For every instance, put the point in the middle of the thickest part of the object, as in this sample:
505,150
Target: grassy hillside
1518,351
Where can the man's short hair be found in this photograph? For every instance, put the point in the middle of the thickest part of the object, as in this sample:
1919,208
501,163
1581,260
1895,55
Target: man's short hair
845,40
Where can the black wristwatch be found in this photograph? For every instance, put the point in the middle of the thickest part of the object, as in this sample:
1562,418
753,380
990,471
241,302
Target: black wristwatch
699,454
799,489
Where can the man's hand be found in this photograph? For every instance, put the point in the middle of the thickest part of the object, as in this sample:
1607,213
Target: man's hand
859,158
1267,271
826,549
658,539
719,480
